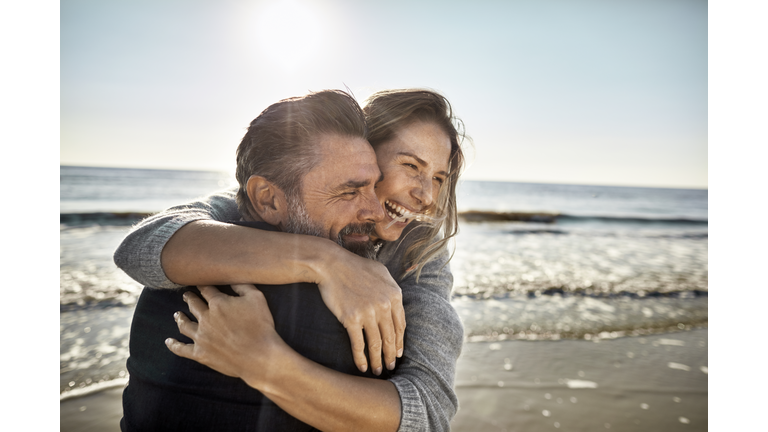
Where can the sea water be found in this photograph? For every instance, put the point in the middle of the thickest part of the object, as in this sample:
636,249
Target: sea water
597,262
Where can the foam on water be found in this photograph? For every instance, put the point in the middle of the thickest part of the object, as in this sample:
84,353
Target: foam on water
492,258
679,366
554,317
580,384
93,388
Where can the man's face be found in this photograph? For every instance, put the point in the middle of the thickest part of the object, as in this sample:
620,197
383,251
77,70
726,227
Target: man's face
339,201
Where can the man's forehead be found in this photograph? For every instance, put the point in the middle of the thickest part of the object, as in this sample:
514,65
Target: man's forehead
344,160
332,145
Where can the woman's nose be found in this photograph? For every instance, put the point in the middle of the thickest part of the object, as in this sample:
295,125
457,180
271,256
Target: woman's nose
423,191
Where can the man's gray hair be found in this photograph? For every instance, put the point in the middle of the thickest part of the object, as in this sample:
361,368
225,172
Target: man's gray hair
281,144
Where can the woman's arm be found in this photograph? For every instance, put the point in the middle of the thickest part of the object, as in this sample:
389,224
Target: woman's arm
235,341
423,380
425,376
139,254
189,245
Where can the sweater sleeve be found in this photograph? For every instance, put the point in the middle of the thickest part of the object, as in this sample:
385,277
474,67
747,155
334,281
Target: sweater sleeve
139,253
433,340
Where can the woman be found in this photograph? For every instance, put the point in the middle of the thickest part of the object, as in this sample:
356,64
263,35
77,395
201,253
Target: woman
419,154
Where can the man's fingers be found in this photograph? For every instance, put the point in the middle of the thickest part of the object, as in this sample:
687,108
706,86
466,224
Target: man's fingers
243,289
373,337
209,292
180,349
196,305
187,327
358,347
398,318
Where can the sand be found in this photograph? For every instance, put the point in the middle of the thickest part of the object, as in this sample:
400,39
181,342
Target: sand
656,383
97,412
652,383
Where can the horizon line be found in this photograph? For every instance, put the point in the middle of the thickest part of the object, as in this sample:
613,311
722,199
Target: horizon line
637,185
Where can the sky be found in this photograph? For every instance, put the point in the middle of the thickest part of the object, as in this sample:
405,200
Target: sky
134,78
554,91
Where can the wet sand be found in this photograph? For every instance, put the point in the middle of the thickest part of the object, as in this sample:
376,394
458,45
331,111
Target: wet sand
630,384
651,383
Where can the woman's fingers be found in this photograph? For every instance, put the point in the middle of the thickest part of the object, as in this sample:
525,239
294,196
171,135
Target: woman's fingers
389,346
373,337
398,318
358,347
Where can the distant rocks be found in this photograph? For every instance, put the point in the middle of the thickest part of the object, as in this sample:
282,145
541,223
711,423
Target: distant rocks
490,216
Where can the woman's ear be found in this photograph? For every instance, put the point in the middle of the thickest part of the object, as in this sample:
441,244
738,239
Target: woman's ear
268,201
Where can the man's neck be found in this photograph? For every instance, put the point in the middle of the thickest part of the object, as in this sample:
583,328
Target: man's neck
252,216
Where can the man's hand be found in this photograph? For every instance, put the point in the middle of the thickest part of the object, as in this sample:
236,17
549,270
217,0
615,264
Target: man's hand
363,296
231,332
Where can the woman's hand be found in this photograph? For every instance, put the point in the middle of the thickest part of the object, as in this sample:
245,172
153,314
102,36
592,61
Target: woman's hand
236,336
363,296
231,333
359,292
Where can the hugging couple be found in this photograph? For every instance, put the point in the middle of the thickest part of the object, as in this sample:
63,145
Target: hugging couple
315,296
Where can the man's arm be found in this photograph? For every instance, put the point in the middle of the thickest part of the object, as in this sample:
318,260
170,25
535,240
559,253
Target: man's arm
236,336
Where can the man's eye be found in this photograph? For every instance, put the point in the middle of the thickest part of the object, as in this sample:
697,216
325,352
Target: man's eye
410,165
349,194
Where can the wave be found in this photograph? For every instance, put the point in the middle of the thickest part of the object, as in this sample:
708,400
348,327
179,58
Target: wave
102,218
491,216
563,292
93,388
71,304
535,231
549,317
548,217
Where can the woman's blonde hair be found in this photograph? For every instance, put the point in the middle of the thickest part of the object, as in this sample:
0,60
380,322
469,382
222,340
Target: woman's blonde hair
385,113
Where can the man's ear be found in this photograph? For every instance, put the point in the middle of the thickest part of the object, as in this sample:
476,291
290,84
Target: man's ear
268,201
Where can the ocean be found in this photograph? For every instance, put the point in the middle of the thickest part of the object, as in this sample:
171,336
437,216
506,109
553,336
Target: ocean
532,261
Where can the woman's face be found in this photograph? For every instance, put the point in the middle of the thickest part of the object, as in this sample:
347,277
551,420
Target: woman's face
415,165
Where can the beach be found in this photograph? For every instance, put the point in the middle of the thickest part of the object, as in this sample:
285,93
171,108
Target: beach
657,382
584,307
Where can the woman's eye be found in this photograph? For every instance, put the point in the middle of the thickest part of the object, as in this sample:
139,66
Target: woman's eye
440,181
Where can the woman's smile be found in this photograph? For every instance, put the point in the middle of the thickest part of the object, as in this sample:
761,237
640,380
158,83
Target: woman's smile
414,164
399,213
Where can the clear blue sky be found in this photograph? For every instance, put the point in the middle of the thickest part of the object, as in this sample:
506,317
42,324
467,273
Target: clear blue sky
562,91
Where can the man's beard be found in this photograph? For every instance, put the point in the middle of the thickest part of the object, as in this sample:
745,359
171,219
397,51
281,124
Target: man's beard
300,223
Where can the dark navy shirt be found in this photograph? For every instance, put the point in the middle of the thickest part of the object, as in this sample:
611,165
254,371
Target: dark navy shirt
167,392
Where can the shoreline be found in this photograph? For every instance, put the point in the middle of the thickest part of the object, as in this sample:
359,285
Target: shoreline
635,383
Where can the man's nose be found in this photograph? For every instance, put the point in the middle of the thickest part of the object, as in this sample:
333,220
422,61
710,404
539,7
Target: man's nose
372,210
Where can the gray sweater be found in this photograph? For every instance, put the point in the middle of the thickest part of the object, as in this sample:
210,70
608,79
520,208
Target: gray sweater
433,335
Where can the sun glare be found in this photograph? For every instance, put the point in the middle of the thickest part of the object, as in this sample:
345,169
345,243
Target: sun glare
290,33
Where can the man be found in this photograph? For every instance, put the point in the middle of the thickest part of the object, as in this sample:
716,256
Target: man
304,167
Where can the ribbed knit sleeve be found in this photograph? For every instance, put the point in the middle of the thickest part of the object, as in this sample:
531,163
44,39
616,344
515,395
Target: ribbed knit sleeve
434,334
139,253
